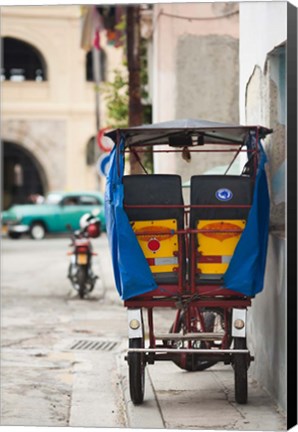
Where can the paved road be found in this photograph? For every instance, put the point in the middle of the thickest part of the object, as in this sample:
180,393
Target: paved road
52,376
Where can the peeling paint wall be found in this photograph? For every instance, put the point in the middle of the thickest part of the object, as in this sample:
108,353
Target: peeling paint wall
262,101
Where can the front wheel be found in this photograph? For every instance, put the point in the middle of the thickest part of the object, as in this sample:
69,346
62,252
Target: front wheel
136,365
37,231
240,371
81,280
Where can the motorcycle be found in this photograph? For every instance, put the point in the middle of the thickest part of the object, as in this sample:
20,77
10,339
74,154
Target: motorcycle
80,270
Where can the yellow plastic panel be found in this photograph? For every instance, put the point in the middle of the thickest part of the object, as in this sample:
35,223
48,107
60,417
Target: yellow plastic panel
217,243
159,243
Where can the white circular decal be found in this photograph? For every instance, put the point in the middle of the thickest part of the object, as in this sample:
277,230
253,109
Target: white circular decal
224,194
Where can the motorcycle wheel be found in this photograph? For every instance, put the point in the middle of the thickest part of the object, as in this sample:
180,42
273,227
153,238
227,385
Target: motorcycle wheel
82,279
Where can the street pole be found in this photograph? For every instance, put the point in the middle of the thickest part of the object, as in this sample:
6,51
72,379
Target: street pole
97,79
135,111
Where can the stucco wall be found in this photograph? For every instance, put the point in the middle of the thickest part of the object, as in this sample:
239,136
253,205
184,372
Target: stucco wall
195,71
267,326
263,26
207,77
268,315
206,88
262,101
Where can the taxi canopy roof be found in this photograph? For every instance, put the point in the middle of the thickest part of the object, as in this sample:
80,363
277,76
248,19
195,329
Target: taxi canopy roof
190,132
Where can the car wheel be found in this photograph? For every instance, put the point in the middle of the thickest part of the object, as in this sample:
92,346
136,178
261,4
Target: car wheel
14,235
37,231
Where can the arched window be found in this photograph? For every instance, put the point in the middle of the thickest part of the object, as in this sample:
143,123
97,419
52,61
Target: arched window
21,61
89,66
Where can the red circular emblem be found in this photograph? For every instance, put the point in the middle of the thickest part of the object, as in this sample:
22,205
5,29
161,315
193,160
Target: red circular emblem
153,244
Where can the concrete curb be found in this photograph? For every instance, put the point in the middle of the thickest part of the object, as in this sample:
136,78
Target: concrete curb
147,415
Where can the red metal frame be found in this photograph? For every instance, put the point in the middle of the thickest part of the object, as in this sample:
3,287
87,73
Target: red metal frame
188,295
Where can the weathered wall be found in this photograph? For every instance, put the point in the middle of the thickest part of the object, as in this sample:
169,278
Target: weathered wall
268,315
267,326
262,101
263,26
195,70
207,76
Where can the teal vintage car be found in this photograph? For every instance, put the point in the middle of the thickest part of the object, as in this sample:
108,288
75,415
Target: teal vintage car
58,210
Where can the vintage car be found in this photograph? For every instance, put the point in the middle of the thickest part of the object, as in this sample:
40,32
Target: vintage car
58,210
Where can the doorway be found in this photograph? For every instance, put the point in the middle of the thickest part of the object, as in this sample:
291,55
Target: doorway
22,175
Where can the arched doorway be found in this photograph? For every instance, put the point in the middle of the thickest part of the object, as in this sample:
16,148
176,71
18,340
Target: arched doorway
22,175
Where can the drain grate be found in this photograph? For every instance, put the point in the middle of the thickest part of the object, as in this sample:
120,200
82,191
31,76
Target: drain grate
88,345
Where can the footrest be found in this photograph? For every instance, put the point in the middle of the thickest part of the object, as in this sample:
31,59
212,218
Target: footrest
190,336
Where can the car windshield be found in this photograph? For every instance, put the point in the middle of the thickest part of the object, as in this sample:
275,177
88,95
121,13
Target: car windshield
53,198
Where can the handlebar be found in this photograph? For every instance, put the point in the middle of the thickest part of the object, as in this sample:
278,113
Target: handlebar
80,233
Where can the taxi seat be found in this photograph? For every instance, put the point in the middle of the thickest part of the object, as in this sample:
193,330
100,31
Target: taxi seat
156,227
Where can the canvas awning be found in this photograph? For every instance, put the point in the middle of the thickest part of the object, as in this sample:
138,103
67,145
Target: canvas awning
213,132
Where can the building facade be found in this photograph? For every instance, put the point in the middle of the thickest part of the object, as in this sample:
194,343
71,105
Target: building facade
48,117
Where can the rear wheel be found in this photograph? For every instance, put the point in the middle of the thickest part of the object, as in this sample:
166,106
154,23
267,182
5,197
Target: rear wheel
37,231
193,362
136,365
240,371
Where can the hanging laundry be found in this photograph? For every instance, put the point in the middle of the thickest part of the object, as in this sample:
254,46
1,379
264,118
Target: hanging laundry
112,19
91,22
96,42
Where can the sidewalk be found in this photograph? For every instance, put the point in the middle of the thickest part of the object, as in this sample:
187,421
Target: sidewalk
49,361
190,400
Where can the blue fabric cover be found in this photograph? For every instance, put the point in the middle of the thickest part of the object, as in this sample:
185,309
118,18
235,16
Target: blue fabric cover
132,274
131,271
245,273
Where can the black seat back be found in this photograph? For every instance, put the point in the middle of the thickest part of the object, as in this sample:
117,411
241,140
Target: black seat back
213,190
157,190
226,203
